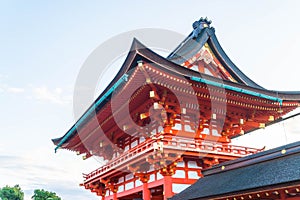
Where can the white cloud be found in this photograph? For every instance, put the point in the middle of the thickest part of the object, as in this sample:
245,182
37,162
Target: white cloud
9,89
42,169
3,87
43,94
56,96
15,90
59,95
2,76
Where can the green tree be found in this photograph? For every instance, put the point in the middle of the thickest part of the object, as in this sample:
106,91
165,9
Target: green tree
11,193
44,195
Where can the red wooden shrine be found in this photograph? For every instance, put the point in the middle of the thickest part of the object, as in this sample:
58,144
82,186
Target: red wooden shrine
161,121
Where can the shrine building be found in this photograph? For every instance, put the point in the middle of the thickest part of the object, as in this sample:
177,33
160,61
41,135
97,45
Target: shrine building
165,123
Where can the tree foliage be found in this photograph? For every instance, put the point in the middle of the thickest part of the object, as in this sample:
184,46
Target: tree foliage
11,193
44,195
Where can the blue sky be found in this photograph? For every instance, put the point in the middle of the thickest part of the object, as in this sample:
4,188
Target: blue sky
43,45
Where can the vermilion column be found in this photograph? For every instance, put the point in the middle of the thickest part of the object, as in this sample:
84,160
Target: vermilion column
144,178
115,196
103,192
167,172
168,193
114,189
146,191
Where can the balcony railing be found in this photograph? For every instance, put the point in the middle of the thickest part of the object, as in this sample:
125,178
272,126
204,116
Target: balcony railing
207,147
177,143
126,156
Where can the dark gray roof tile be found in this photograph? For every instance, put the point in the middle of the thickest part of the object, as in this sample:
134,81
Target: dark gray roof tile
271,170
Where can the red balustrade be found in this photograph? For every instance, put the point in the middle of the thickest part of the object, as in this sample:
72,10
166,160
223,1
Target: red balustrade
181,144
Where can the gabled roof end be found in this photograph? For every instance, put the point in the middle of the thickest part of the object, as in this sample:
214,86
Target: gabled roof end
136,45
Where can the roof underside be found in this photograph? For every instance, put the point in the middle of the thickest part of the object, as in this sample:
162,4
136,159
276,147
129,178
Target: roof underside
173,65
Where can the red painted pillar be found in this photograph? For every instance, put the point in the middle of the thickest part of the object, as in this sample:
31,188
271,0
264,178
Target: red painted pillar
146,191
114,190
168,193
115,196
167,172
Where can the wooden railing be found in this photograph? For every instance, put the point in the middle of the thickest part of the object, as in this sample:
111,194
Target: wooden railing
126,156
194,145
180,144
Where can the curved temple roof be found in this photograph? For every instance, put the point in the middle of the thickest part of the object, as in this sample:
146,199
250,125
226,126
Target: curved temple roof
204,34
201,35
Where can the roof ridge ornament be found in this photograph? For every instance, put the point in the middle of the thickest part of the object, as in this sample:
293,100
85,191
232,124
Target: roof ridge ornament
199,25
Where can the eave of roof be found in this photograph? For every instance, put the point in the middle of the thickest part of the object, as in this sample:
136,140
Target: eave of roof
138,49
91,111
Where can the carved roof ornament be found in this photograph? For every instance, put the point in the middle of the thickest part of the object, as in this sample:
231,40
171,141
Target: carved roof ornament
199,25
